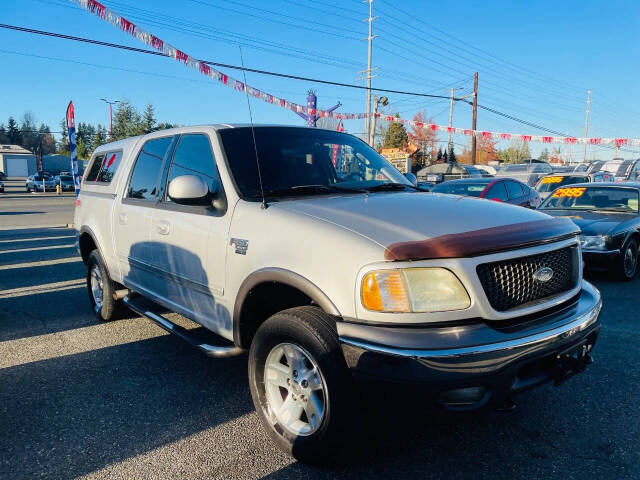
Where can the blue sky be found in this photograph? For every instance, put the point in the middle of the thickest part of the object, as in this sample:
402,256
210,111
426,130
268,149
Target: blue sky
535,60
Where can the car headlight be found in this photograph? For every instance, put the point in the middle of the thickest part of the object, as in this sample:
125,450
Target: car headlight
595,242
413,290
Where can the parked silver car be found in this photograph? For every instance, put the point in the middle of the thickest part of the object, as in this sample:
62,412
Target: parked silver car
40,183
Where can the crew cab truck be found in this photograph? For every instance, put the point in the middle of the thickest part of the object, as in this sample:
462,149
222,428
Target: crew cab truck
308,249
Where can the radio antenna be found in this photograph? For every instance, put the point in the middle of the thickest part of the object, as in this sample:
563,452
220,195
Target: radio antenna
253,132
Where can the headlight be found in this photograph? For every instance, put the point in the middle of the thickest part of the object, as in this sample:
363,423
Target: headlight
597,242
413,290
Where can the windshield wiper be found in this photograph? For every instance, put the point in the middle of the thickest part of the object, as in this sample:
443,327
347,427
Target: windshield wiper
391,186
307,189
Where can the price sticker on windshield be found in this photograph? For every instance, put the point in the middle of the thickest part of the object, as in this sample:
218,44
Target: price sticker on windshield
551,179
572,192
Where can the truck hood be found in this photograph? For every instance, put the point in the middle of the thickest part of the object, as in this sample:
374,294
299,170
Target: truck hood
409,218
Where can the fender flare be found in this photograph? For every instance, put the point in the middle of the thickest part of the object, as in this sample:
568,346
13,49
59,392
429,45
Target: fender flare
286,277
87,230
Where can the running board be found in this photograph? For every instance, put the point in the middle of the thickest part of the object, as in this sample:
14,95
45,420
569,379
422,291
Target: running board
209,350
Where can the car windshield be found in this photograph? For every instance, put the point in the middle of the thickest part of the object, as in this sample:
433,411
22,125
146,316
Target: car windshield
39,178
551,182
66,178
468,189
301,161
593,198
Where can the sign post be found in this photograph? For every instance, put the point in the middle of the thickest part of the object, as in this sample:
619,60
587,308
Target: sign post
71,126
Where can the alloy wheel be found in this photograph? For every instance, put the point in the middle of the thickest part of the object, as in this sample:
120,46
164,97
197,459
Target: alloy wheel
96,286
296,394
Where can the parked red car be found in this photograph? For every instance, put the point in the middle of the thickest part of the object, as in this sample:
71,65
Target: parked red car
504,190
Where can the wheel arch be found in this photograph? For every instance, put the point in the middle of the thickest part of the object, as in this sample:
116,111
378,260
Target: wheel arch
87,243
267,280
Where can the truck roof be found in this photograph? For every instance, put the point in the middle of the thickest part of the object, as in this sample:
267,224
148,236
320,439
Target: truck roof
130,142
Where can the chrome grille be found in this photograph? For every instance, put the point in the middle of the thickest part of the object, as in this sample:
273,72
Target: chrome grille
509,284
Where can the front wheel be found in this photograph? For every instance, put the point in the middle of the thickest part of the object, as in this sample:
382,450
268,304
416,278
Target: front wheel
299,382
628,263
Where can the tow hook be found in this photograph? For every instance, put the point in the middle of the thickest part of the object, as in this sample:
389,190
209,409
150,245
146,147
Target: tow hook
570,362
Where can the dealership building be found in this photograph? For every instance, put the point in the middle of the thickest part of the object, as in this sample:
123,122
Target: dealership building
17,161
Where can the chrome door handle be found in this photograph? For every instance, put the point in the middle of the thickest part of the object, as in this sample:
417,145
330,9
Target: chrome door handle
163,227
122,218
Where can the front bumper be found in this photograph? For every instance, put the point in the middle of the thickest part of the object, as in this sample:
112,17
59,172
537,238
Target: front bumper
465,366
600,259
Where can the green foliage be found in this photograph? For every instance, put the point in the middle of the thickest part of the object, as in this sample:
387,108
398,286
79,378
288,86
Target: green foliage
396,136
517,152
451,155
13,133
148,119
544,155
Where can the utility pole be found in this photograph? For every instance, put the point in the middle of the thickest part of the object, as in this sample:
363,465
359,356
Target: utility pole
474,120
450,118
110,116
369,70
586,126
376,103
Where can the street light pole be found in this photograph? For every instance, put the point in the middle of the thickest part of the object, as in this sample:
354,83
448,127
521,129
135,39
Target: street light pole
110,115
376,102
586,126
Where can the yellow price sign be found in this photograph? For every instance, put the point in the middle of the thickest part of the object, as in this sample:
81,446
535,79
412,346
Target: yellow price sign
571,192
551,179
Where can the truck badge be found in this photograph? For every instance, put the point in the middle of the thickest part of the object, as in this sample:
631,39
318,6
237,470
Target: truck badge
240,244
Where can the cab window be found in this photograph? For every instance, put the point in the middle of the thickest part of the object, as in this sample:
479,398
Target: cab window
193,156
144,179
94,169
497,192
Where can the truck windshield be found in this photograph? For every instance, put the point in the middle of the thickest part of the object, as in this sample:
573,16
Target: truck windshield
302,161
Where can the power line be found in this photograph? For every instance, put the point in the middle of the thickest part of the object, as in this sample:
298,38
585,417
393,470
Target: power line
271,73
216,64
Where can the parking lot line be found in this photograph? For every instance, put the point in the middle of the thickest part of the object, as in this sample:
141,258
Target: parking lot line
42,263
42,288
36,239
33,249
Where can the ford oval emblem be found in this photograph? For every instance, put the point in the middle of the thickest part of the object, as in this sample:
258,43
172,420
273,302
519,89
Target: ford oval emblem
543,275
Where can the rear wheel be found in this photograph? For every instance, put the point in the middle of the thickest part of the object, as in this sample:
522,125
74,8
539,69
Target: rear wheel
100,287
628,262
299,382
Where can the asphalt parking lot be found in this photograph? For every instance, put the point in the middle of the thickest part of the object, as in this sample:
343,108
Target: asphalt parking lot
80,398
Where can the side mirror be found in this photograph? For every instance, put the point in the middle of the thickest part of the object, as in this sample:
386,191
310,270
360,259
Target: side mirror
190,190
412,178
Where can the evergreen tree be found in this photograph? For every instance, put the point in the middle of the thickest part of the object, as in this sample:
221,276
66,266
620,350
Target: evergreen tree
439,157
148,119
13,133
63,145
29,137
126,121
451,156
4,138
47,142
396,136
100,137
445,157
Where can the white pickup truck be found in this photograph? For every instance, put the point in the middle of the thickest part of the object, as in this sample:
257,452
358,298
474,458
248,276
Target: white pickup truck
308,249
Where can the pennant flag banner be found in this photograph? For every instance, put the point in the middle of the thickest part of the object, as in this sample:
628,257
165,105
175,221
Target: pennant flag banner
71,126
108,15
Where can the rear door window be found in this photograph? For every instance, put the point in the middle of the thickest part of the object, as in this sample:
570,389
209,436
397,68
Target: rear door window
143,184
514,190
498,191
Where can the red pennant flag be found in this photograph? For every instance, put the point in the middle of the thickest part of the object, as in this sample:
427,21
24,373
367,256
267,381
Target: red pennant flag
97,8
547,139
526,138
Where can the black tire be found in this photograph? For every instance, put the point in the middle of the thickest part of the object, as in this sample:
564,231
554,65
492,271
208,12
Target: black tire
28,189
107,308
312,330
627,267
